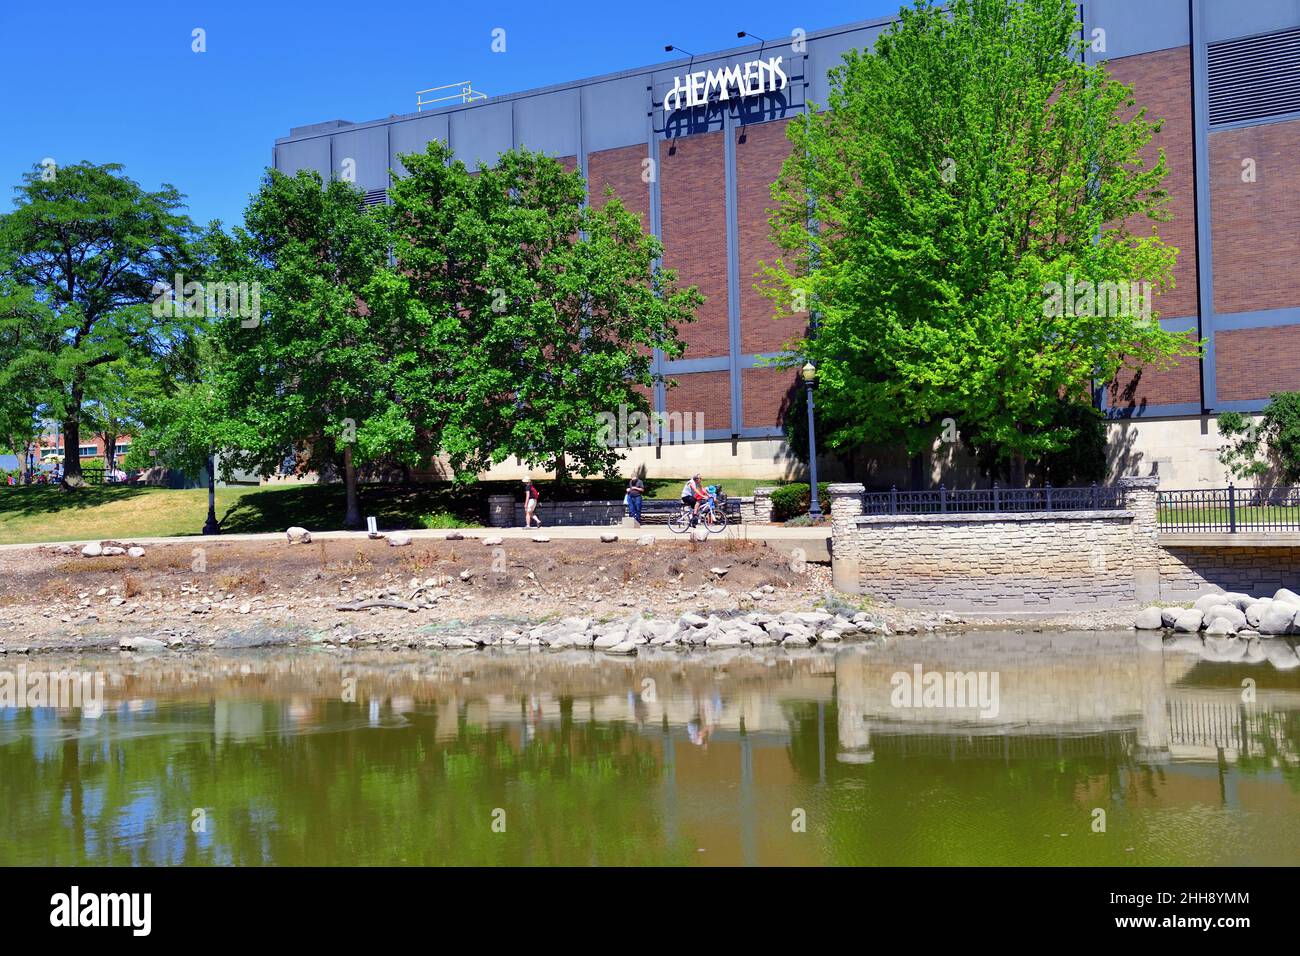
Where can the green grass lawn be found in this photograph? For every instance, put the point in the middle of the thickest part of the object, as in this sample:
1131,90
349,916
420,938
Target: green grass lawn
1247,517
47,513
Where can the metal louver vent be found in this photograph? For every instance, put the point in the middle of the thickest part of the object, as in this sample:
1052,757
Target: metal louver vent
375,197
1254,78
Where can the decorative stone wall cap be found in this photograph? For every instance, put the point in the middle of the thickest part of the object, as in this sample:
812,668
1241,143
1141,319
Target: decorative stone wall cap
764,491
993,517
1143,481
846,488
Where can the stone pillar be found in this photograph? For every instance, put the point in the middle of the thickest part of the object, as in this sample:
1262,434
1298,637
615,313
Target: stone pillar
846,507
1141,496
762,505
501,511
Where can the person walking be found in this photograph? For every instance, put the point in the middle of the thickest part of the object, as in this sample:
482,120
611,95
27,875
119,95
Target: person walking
531,496
635,496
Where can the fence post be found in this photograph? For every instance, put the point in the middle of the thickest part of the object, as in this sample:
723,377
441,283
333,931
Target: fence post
1092,497
943,499
893,499
1047,490
997,498
1232,508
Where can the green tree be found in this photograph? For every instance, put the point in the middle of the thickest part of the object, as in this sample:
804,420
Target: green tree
94,250
1267,449
23,391
120,392
532,314
315,367
969,169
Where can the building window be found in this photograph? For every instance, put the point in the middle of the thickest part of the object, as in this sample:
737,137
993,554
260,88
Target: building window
87,451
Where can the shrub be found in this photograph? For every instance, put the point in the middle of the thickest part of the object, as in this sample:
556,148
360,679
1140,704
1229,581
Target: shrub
794,499
440,519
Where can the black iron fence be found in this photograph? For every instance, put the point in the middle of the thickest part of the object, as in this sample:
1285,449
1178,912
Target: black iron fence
991,500
1230,509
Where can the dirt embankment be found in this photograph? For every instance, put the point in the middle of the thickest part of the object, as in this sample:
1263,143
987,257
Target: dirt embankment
235,592
182,593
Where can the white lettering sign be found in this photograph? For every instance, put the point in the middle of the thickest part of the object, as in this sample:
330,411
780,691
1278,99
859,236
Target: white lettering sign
749,79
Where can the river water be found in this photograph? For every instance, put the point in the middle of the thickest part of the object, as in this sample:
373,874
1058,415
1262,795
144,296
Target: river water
1072,749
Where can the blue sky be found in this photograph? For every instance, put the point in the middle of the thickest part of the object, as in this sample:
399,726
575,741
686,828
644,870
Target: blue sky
118,82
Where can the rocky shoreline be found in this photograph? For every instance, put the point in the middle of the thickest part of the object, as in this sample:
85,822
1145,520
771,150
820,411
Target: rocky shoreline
1231,626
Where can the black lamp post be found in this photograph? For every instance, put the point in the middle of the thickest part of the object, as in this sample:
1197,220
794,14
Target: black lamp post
810,382
211,526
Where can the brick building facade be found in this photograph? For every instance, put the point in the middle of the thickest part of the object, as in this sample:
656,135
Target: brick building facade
1224,78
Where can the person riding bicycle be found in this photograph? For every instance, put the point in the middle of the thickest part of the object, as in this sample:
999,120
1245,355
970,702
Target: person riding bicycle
693,495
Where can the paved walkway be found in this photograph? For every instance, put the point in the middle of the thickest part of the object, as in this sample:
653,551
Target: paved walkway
813,541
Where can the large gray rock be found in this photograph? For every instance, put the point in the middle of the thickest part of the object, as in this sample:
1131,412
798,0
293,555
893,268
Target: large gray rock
1239,600
1220,626
1188,622
610,638
1169,614
398,539
728,637
1287,596
1276,619
1256,611
1149,619
297,535
142,645
1226,612
92,550
1203,604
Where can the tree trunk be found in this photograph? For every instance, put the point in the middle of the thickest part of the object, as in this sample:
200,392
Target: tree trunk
110,454
353,517
1018,471
561,470
72,443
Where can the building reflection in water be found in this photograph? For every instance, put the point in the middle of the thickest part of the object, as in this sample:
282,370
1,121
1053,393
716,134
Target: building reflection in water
660,759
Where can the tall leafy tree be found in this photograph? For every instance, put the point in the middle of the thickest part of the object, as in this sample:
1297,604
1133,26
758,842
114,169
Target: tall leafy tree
23,390
313,369
970,175
532,312
92,249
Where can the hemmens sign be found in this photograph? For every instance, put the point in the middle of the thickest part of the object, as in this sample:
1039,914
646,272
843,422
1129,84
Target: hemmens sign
742,80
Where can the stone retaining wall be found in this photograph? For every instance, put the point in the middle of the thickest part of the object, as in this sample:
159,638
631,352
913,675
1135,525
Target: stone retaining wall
1186,573
1000,563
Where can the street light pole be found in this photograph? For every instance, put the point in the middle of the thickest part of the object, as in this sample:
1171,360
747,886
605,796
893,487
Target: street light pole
211,526
810,381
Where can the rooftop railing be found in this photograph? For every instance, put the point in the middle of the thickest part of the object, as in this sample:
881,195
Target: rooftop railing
463,91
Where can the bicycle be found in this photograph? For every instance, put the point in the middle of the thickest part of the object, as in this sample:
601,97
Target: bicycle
713,518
